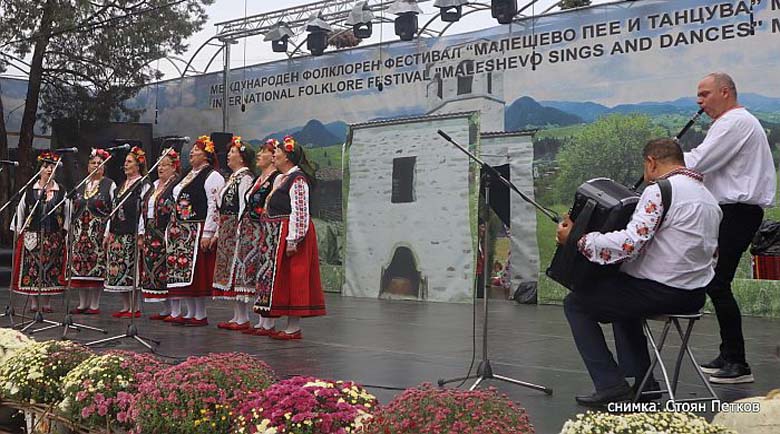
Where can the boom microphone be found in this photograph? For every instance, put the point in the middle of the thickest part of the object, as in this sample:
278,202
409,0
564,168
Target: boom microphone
10,163
66,150
126,146
445,135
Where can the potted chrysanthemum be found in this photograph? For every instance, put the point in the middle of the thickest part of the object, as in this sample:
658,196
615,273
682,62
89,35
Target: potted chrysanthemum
635,423
304,405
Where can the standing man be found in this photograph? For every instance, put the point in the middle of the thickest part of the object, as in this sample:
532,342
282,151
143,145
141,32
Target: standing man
736,161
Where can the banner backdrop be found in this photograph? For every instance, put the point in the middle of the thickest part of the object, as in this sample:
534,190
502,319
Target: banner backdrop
598,81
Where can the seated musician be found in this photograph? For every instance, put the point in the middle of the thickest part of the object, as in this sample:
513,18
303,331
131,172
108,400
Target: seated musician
664,271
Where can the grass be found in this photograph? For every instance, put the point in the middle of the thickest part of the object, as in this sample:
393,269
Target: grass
329,156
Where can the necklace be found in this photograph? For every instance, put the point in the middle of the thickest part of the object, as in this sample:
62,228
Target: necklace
91,189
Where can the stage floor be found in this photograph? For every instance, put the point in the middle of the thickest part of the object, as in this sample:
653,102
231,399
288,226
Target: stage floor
395,344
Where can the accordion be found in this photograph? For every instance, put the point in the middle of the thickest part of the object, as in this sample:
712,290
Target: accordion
600,205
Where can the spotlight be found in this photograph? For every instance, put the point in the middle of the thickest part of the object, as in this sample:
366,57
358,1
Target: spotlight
406,23
360,19
504,10
279,35
319,31
451,10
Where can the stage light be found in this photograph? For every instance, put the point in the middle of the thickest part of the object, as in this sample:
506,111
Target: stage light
279,35
360,19
504,10
406,22
451,10
319,31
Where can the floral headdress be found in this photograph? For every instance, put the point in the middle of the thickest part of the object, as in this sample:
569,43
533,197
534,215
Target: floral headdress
48,157
100,153
271,144
139,154
205,144
174,156
289,144
237,143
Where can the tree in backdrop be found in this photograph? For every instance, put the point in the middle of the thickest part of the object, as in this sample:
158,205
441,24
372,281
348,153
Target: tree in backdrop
89,57
610,147
570,4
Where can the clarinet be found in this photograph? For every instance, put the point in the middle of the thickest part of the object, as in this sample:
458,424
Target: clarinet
676,138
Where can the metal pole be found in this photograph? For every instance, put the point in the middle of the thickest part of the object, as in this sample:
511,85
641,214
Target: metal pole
226,87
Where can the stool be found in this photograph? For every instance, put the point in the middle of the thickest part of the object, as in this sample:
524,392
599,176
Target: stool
671,387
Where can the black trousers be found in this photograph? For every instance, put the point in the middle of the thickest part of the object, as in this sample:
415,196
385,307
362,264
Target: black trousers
623,301
737,228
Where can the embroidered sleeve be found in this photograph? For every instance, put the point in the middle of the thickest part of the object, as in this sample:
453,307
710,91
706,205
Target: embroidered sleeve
243,188
19,217
299,217
627,244
213,185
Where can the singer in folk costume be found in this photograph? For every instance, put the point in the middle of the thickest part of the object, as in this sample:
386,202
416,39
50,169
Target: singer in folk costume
39,258
230,205
246,260
193,224
289,275
123,227
157,207
88,227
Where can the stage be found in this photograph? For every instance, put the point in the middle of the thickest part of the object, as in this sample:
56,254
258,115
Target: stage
394,344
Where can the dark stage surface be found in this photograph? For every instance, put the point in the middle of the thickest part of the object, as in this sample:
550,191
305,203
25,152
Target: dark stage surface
402,344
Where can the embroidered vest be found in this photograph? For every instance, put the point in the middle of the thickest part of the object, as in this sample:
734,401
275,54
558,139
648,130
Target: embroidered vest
255,201
192,203
52,223
98,204
125,220
229,203
163,206
279,202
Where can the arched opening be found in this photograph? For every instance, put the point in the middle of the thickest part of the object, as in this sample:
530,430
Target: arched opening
402,279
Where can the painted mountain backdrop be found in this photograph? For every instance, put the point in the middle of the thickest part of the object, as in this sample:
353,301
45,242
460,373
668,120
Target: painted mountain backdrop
315,134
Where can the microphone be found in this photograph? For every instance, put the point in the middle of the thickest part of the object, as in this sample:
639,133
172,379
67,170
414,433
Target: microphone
10,163
445,135
66,150
118,148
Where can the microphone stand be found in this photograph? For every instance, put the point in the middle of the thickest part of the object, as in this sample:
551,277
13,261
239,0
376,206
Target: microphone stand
9,308
485,370
39,207
67,321
132,329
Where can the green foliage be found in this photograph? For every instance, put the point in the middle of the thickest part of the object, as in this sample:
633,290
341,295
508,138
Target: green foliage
570,4
610,147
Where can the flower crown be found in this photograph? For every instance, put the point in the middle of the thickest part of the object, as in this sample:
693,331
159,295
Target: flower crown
174,156
237,143
289,144
139,154
271,144
48,155
206,144
100,153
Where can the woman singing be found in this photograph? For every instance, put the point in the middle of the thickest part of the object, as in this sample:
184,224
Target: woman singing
193,224
123,227
289,275
245,262
230,205
158,205
88,226
39,262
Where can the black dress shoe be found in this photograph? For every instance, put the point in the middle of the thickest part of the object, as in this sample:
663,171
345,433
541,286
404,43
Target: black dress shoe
652,390
733,373
601,398
714,366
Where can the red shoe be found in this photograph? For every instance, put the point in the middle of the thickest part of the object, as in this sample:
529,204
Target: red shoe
224,325
33,309
250,331
235,326
137,314
92,312
121,314
174,319
266,332
284,336
158,317
47,309
77,311
192,322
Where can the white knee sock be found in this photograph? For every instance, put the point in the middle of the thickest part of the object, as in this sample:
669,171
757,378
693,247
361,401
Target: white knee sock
190,303
176,308
83,299
267,323
200,307
166,308
242,312
94,298
293,324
